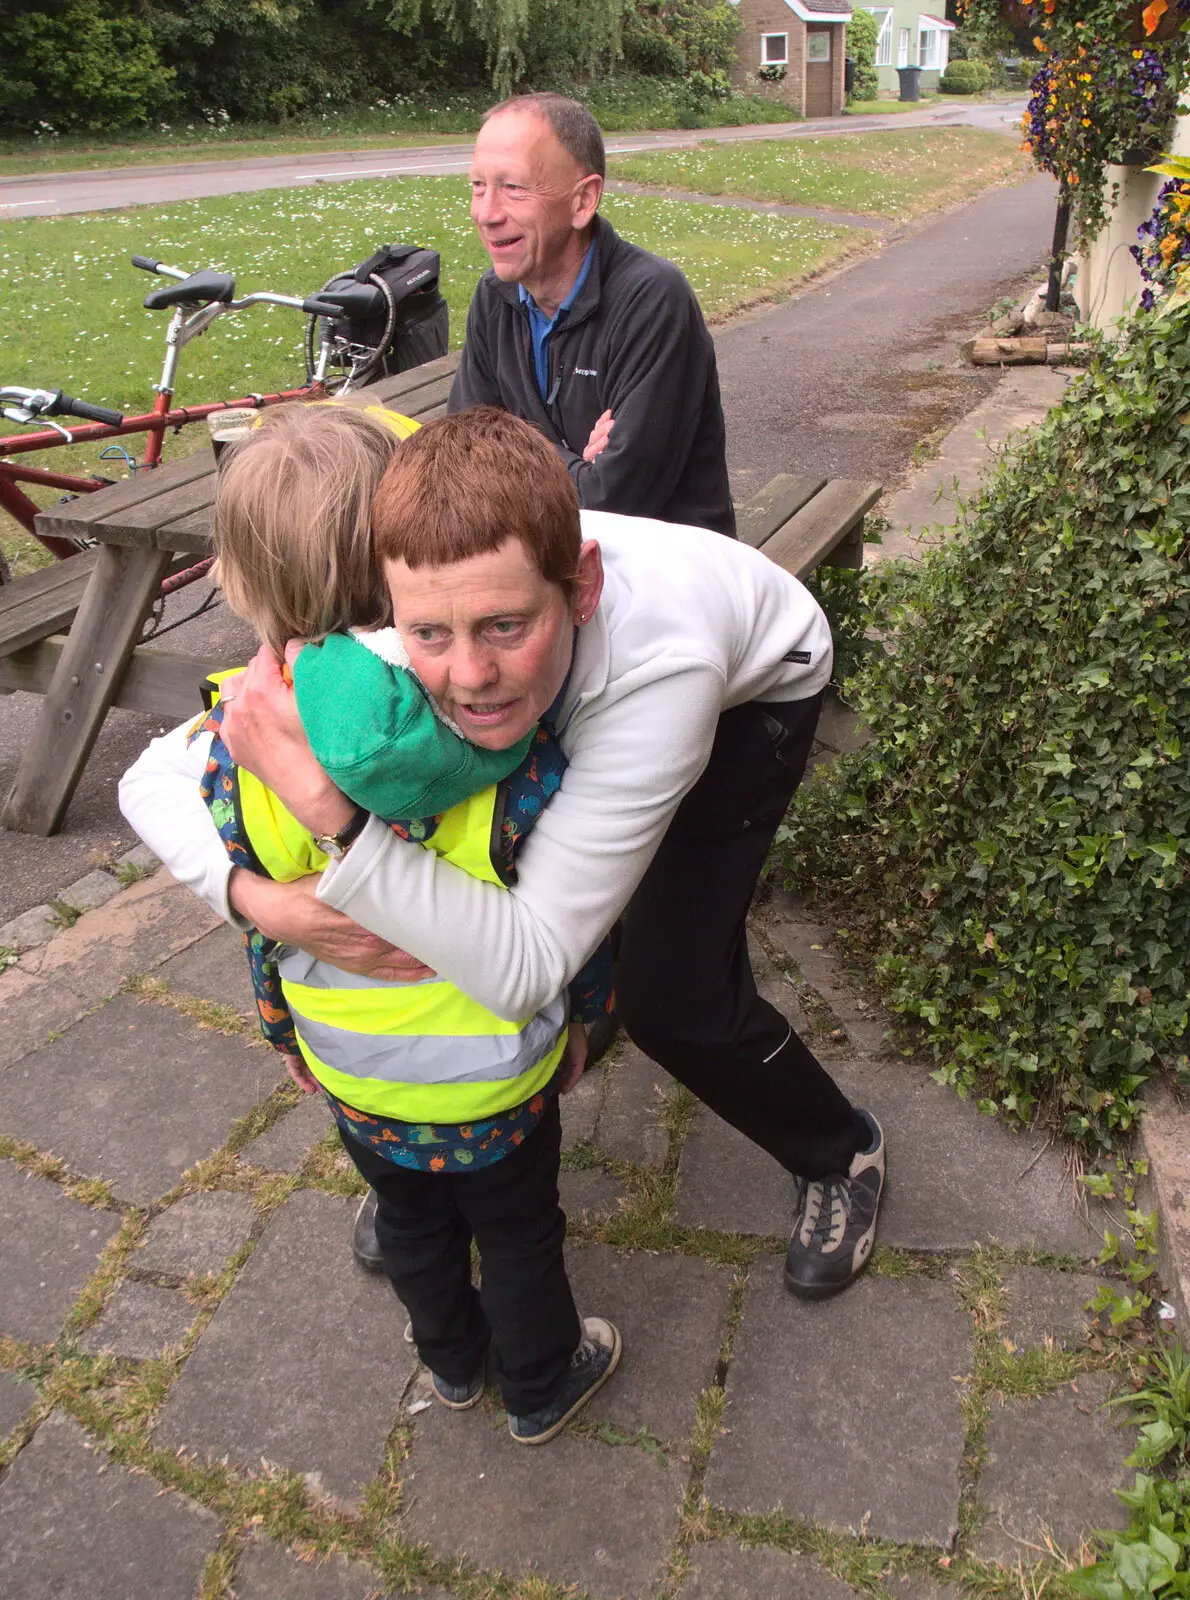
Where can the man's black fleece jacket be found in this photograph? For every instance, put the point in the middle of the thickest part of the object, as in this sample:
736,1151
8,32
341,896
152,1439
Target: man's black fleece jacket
634,343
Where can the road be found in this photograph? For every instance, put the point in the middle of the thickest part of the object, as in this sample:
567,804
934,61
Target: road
55,194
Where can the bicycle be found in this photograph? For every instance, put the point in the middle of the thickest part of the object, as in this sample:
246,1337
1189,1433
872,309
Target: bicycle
195,301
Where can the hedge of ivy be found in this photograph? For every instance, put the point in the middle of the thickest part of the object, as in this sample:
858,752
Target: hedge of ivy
1011,849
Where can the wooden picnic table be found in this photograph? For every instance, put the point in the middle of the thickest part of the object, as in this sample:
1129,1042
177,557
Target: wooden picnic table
158,521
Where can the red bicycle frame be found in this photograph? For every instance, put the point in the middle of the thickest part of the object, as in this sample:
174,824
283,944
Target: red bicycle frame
191,317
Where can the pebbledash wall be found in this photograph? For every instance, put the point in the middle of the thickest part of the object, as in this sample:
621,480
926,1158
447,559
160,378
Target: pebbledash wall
808,38
1108,283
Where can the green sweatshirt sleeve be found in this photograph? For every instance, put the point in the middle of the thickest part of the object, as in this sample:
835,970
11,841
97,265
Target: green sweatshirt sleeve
375,732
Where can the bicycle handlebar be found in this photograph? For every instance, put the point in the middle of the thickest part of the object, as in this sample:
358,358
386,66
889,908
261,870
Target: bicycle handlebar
66,406
27,405
147,264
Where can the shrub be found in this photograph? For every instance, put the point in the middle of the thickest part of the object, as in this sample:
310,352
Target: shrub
862,34
1013,845
71,66
965,77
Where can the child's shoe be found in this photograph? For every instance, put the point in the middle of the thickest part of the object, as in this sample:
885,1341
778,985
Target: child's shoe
591,1366
460,1396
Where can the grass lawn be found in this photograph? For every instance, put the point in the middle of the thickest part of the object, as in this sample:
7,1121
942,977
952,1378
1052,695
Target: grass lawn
75,320
623,105
890,174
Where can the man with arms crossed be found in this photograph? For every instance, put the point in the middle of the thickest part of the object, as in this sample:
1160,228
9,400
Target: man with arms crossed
598,344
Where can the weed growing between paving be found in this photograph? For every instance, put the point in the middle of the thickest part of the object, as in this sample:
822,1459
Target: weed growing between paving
1010,850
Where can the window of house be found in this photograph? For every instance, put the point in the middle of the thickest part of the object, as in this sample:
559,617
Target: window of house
774,49
928,51
818,45
884,22
903,48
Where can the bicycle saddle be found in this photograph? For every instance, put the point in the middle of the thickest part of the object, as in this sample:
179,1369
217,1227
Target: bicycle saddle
199,289
361,302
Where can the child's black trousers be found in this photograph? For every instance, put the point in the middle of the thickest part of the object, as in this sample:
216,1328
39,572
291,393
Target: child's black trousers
425,1222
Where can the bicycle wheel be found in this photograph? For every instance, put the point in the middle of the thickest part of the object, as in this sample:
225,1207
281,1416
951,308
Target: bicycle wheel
357,364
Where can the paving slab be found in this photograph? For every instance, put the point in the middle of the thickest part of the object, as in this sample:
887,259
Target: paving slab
629,1126
74,1526
215,967
589,1196
1050,1470
31,1010
727,1182
90,892
866,1392
49,1246
781,992
303,1363
729,1572
284,1146
140,857
1165,1130
30,929
135,1094
580,1108
16,1400
956,1178
137,929
196,1234
1047,1307
139,1322
267,1571
810,945
670,1311
581,1512
135,932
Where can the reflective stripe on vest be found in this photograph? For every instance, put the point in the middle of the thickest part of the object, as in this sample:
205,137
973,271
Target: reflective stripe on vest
416,1052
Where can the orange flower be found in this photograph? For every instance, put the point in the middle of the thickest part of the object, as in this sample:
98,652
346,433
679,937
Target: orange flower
1153,13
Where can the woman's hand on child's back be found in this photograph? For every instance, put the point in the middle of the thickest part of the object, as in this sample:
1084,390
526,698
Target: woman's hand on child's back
264,733
574,1058
301,1074
290,914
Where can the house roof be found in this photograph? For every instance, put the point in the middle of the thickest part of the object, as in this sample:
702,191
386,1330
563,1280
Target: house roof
821,10
939,22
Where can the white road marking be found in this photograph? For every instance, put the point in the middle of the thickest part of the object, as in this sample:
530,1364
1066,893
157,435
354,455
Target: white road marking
15,205
412,170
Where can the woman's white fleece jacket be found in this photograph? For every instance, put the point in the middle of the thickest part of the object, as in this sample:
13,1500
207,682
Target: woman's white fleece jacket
689,625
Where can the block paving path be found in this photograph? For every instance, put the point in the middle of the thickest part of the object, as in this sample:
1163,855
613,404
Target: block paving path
201,1396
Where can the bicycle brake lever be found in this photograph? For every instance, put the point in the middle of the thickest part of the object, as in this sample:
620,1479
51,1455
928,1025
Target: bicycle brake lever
30,414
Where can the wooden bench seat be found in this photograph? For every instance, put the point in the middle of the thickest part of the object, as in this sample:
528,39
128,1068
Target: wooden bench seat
43,602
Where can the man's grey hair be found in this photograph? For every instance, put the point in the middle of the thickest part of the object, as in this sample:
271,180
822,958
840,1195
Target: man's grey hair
572,124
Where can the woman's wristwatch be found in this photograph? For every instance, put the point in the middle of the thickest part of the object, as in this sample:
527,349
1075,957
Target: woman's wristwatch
336,845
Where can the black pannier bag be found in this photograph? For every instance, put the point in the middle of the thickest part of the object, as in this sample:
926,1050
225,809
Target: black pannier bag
412,324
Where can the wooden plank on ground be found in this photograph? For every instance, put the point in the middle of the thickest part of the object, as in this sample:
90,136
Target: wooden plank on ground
158,682
759,517
822,525
43,602
77,518
89,672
